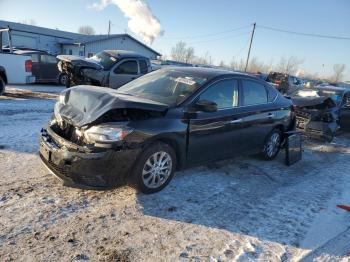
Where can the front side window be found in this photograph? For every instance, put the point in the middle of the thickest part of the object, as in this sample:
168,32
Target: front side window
143,67
127,68
224,93
253,93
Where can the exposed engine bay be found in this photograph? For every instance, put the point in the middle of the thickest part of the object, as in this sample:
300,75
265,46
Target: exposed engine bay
317,116
82,71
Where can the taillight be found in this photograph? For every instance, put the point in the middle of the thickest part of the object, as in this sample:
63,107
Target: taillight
28,65
294,108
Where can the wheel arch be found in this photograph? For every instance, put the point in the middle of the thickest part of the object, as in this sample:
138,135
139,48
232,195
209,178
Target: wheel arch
174,144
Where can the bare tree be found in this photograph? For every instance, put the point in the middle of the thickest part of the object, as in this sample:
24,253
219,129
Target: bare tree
290,65
338,72
28,22
181,53
86,30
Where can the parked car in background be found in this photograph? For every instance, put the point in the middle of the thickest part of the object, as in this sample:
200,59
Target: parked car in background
109,68
321,111
167,120
44,67
284,83
14,69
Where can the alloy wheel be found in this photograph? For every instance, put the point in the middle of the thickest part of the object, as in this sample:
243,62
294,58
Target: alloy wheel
273,144
157,169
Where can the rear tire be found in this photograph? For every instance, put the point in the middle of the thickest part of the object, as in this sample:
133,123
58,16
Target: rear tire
2,86
272,144
154,168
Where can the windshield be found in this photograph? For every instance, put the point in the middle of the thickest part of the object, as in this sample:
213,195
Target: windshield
335,95
105,59
167,87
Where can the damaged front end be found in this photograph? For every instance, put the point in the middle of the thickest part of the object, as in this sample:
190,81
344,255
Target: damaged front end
91,139
82,71
317,117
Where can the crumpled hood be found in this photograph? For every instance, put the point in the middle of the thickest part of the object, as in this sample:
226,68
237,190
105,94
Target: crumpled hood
79,61
82,105
312,101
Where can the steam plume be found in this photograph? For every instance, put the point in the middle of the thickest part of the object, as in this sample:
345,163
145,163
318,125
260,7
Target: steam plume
141,19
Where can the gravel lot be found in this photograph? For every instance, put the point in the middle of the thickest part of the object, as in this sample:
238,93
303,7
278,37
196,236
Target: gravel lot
244,209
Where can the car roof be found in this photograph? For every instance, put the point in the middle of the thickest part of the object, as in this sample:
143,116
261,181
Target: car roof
22,52
205,72
123,54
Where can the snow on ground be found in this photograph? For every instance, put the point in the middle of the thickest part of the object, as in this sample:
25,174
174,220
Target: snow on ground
243,209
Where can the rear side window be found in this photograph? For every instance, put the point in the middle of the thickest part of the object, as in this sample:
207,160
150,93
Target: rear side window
143,66
127,68
48,59
253,93
224,93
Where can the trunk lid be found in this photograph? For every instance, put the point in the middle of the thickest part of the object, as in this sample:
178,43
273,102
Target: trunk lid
82,105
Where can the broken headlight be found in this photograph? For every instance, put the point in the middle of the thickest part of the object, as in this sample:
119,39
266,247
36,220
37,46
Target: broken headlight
106,133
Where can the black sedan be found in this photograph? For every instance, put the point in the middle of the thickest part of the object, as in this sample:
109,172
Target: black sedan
164,121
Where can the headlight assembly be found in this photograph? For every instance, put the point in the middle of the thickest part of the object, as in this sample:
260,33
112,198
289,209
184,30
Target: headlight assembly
106,133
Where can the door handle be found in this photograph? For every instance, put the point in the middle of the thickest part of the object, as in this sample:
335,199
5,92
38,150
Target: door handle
236,121
270,115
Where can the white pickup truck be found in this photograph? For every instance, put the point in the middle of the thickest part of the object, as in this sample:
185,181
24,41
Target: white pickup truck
14,69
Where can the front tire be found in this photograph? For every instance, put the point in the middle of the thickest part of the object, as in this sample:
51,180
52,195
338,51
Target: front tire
272,144
63,79
154,168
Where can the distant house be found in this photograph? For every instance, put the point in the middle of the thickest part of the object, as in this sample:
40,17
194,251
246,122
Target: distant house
62,42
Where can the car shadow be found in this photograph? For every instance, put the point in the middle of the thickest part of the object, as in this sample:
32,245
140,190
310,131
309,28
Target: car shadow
247,195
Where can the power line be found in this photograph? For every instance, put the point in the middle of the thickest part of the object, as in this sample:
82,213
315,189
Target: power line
221,38
304,34
207,35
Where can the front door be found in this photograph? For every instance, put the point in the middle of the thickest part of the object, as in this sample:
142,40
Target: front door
216,135
123,72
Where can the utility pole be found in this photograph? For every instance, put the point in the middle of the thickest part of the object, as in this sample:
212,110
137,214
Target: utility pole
109,27
250,46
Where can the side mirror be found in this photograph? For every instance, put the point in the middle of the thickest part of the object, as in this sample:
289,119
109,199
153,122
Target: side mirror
206,106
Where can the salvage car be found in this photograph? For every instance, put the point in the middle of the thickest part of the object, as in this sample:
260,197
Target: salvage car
284,83
44,67
109,68
321,111
164,121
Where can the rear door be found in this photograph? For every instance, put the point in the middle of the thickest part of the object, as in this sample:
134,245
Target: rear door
344,114
216,135
258,114
124,72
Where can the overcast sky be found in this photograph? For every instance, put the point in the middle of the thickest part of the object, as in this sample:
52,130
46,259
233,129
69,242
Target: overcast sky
205,25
